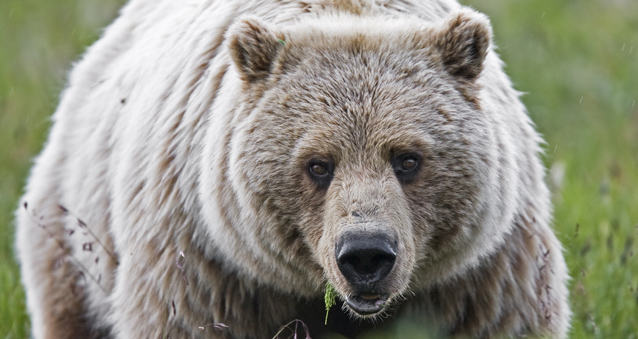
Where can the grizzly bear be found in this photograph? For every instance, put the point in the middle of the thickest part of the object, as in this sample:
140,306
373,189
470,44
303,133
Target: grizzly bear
214,165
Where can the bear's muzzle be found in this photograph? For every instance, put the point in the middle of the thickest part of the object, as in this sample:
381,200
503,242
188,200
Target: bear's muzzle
365,260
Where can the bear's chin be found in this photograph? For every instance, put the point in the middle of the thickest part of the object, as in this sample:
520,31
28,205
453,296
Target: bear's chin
366,305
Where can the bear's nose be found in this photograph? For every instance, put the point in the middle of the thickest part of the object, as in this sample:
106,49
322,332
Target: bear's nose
365,259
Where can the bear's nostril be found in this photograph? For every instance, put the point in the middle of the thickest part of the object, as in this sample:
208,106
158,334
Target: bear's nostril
365,260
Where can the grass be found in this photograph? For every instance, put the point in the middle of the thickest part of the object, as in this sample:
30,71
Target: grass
38,42
578,63
576,60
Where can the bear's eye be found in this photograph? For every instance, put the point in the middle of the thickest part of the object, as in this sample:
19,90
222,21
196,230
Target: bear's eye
409,164
321,173
318,170
406,166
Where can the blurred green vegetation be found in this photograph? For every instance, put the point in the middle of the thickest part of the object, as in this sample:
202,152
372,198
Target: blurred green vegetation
577,62
39,40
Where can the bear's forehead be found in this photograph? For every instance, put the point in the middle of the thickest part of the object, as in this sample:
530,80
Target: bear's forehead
356,115
367,66
360,90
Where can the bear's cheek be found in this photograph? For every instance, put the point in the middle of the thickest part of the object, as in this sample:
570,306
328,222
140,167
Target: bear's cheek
444,206
311,220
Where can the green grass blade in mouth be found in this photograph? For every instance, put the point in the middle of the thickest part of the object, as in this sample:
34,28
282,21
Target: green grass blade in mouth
330,299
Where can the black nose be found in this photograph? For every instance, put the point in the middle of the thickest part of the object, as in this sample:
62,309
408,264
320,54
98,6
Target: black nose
365,259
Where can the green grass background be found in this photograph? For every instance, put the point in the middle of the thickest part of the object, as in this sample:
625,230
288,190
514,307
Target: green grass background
576,60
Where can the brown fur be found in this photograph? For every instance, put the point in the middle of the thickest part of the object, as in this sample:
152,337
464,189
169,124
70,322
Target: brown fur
182,150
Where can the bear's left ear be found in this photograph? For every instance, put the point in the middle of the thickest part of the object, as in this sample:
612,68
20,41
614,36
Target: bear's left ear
463,43
253,47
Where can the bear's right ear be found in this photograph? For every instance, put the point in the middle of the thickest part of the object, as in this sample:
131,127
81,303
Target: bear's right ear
253,47
463,43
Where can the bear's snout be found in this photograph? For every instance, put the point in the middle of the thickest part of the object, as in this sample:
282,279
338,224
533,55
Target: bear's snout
365,259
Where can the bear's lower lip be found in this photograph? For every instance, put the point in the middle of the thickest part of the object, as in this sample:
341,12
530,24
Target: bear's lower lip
367,303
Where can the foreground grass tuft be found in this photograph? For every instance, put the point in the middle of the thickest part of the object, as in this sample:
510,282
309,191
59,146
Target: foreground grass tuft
330,298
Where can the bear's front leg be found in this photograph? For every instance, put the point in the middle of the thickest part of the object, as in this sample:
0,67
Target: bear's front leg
53,283
145,296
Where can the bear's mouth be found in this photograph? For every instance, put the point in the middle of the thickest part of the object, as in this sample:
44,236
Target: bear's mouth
367,303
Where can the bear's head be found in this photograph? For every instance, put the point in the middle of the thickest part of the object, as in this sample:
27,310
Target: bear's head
357,151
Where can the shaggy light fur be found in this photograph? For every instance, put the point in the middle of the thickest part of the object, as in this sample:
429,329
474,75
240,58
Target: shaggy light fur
173,197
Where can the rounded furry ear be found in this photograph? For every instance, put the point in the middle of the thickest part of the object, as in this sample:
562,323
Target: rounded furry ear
253,47
464,41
